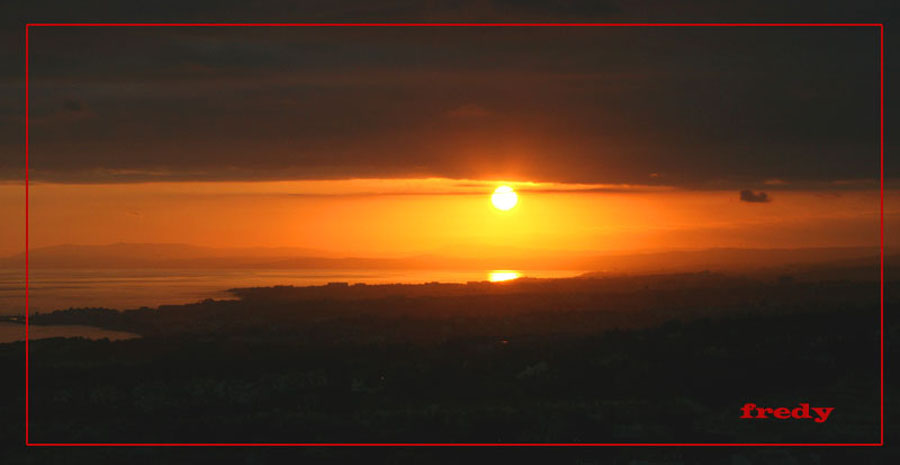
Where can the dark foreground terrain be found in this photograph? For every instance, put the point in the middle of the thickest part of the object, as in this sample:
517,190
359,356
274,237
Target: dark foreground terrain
669,358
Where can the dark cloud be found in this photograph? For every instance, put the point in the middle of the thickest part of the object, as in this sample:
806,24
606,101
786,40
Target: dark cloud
469,110
754,197
73,106
703,107
67,114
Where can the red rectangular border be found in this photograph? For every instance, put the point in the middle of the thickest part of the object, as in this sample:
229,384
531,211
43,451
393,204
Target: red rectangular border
880,26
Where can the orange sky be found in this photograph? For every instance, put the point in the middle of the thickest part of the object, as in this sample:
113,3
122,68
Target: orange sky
384,217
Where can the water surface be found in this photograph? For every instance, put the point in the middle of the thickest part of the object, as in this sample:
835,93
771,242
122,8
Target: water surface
11,332
131,288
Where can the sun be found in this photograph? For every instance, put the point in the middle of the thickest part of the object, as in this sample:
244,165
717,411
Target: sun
504,198
498,276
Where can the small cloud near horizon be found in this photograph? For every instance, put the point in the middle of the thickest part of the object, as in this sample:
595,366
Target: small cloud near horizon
754,197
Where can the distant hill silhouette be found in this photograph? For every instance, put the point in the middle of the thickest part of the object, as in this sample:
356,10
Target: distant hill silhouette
124,255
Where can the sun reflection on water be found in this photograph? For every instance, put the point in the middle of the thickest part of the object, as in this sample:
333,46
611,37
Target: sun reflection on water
503,275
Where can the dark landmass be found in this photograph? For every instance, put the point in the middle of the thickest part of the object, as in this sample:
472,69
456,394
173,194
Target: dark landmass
436,312
655,358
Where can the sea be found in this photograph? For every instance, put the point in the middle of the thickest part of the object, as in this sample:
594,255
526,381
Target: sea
121,289
13,332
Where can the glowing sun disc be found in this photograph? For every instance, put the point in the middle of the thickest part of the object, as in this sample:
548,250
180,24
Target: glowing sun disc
504,198
503,275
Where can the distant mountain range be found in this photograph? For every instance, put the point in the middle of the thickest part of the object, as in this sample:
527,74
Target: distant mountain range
160,256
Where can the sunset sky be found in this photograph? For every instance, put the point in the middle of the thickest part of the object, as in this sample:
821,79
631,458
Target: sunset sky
389,141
